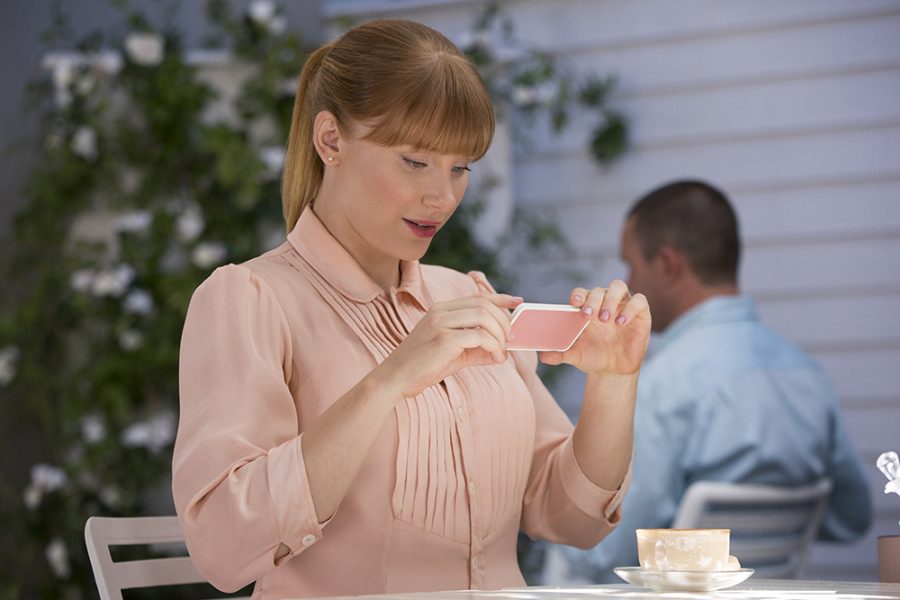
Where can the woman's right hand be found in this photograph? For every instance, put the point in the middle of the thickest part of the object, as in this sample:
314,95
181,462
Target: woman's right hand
451,336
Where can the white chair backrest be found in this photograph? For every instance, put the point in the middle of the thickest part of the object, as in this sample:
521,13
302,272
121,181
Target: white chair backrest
772,527
100,533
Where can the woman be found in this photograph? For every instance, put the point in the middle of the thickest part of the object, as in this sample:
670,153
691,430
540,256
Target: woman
350,420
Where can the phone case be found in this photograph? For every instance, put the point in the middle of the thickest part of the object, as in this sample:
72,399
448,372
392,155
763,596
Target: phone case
546,327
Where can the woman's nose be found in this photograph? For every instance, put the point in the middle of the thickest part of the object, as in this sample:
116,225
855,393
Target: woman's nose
440,192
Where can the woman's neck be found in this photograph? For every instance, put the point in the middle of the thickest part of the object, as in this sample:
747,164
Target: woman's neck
383,270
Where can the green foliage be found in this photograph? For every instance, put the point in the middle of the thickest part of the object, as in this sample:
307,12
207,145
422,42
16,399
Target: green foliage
138,195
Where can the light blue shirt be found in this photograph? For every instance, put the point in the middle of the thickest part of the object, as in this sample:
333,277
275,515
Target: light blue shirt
722,397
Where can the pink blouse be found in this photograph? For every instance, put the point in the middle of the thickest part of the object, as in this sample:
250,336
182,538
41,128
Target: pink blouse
269,345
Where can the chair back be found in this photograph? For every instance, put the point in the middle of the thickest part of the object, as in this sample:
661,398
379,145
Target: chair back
101,533
772,527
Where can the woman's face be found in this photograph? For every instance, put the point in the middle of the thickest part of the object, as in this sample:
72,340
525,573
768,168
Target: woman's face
387,202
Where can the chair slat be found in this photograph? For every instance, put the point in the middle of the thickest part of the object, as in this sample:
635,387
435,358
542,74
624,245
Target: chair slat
158,571
772,527
100,533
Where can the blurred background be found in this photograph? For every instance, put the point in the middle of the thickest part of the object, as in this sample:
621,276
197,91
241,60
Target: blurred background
141,146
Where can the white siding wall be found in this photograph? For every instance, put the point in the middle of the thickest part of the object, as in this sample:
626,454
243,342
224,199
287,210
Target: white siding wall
793,108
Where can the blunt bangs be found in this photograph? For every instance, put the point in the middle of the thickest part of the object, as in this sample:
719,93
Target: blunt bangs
447,111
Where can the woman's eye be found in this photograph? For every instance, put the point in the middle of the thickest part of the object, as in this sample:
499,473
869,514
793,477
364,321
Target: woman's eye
461,170
415,164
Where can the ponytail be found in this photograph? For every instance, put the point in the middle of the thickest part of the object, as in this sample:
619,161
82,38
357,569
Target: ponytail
303,170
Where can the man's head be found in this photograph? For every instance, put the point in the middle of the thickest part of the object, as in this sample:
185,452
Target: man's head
681,245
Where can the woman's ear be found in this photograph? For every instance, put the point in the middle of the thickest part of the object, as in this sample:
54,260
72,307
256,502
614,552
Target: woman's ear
327,138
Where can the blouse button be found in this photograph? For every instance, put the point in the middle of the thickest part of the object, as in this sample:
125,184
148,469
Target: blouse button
471,487
309,540
461,413
475,562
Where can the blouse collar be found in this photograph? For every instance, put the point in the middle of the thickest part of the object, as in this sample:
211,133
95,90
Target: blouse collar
331,260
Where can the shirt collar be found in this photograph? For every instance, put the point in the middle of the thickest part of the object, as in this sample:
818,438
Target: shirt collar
714,311
331,260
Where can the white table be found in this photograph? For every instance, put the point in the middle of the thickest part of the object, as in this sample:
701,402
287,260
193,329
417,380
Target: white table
752,589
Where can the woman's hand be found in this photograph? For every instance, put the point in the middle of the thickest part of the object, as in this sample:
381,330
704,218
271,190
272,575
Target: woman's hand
451,336
617,337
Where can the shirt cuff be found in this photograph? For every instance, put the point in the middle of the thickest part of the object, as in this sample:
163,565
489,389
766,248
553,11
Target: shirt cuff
295,512
589,498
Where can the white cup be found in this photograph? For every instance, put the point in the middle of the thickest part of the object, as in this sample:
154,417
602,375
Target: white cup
684,549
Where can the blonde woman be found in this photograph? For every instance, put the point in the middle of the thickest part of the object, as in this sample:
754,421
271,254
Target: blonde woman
351,422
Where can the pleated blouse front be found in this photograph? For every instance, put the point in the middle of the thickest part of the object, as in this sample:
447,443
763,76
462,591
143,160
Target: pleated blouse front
269,345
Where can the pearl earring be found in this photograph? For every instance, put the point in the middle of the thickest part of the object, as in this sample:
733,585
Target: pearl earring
330,159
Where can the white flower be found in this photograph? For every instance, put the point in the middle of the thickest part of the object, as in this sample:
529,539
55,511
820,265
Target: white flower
47,478
273,159
9,360
58,557
85,83
262,11
108,63
138,302
208,254
63,72
84,143
63,76
111,496
137,221
524,95
278,25
131,340
32,496
82,280
113,282
190,223
93,429
155,434
145,49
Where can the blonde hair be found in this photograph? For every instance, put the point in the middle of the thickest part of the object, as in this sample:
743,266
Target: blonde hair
406,81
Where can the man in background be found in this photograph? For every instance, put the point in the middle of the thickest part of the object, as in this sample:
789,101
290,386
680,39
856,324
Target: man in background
721,396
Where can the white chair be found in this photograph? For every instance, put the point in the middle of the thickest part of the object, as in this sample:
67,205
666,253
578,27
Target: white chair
772,527
100,533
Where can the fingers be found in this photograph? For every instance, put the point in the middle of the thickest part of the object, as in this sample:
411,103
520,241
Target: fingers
613,300
475,317
636,308
607,304
471,339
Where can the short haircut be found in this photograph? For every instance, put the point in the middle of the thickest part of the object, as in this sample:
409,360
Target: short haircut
696,219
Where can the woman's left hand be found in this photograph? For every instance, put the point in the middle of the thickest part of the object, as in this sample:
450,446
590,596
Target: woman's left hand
616,338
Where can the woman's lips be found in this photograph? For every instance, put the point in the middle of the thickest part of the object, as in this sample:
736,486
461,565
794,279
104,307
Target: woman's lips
422,229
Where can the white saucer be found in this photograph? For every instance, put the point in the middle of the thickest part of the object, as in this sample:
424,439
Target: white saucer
683,581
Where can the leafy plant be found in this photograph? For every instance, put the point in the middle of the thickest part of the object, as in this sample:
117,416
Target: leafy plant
144,186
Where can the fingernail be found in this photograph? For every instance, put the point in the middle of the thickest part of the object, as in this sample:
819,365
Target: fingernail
577,298
587,310
620,320
519,298
604,315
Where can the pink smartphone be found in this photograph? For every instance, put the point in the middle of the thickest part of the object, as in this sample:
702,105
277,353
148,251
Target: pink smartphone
546,327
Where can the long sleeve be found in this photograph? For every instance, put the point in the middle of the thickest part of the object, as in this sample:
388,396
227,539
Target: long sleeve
239,481
561,504
656,488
